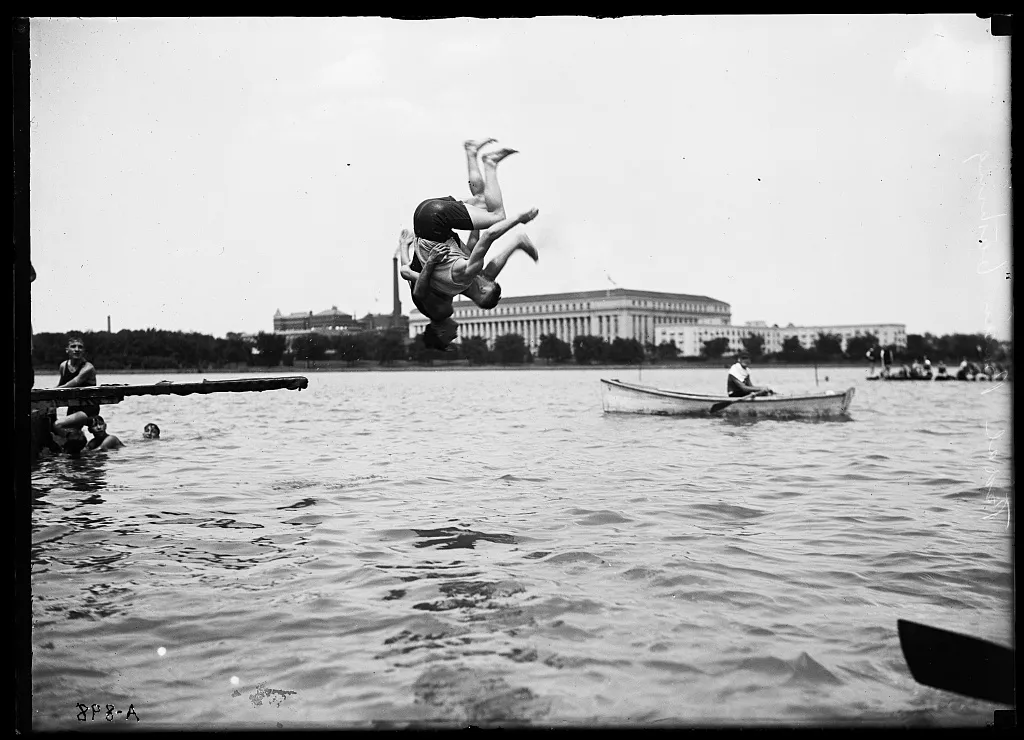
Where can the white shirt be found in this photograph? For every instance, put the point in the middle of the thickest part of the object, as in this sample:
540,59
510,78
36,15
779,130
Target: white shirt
740,373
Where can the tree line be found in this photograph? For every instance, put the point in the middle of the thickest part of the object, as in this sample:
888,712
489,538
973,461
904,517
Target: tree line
156,349
948,348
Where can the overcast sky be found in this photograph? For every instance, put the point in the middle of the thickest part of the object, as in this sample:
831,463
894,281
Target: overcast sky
200,174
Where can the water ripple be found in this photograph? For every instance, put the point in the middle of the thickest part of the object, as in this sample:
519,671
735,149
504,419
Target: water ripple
393,557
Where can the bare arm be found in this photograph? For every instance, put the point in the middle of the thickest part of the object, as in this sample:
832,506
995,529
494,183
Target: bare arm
748,388
759,390
86,376
471,266
110,442
422,288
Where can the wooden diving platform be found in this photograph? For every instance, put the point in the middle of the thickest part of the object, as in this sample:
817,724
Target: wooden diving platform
44,399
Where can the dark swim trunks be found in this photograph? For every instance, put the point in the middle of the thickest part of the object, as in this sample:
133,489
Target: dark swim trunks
435,218
90,411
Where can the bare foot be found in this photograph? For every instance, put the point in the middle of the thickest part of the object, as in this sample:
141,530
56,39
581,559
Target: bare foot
474,146
496,156
527,216
527,246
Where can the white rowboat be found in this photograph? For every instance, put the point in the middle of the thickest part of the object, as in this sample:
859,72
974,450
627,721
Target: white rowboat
628,398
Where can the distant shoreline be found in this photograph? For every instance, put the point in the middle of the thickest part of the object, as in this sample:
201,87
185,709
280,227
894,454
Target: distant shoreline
458,365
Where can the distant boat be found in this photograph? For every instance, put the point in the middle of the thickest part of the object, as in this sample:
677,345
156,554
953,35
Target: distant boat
903,377
628,398
980,377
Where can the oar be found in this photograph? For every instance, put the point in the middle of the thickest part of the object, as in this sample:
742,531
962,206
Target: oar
726,404
958,663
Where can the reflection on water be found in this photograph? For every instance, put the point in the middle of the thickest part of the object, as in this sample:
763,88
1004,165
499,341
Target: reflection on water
84,473
448,538
337,557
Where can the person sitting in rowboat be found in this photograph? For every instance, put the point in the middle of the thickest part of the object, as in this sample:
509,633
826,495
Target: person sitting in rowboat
872,356
739,379
886,357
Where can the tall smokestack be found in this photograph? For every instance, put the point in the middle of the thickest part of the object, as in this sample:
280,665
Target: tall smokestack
108,323
397,314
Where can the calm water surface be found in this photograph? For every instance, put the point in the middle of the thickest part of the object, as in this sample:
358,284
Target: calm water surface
489,548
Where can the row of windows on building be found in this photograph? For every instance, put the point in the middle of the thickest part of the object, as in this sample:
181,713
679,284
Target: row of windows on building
336,321
532,308
690,340
531,330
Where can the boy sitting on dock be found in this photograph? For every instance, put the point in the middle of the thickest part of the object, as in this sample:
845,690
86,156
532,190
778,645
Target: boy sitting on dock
76,372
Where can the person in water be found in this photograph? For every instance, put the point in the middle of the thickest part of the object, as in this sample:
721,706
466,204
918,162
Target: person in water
456,267
872,355
70,442
151,431
887,358
101,440
739,379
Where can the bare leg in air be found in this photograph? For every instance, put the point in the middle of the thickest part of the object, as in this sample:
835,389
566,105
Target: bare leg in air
476,179
486,206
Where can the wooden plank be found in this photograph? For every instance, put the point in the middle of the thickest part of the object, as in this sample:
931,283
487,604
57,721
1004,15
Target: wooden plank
72,402
105,394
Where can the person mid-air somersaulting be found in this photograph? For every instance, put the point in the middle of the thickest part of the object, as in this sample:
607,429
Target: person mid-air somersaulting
439,266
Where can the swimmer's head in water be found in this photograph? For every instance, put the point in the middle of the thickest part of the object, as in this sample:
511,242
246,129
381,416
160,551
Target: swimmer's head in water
151,431
438,335
96,424
74,442
491,297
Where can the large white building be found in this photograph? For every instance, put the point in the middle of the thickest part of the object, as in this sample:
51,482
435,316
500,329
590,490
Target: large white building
690,338
610,314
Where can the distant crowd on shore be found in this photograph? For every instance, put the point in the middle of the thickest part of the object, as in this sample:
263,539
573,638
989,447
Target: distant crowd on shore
921,368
